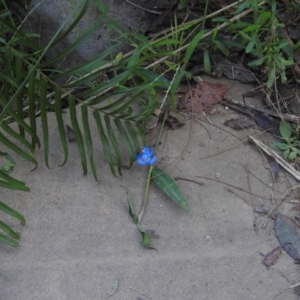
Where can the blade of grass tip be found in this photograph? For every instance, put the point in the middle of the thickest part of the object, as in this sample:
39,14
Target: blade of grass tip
9,231
44,120
105,143
169,187
88,139
13,183
8,210
60,124
79,138
113,140
192,46
8,241
5,141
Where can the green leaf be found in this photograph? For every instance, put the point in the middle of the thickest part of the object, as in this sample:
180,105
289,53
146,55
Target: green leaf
77,131
44,120
8,210
169,187
292,155
9,231
285,129
206,61
8,241
132,214
105,142
286,153
145,238
271,78
222,47
60,124
150,76
279,146
257,62
192,46
88,139
8,167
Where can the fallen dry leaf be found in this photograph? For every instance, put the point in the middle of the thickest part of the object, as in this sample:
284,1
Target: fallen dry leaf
70,134
239,123
272,257
204,95
274,166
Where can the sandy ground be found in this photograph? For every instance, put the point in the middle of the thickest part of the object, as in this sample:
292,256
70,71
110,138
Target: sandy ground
79,238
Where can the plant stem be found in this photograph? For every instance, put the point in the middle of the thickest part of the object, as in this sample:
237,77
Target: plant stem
141,214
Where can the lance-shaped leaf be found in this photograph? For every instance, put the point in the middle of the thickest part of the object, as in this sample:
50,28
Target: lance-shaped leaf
8,241
8,210
168,186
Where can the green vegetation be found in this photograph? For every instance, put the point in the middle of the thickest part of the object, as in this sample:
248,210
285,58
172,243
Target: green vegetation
28,81
290,145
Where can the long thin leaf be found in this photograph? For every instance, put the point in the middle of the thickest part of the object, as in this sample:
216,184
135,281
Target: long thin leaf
8,241
60,124
9,231
126,140
44,120
12,183
21,122
17,149
105,143
113,141
88,139
8,210
79,138
192,46
169,187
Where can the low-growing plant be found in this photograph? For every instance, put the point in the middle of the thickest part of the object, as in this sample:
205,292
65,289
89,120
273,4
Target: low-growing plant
290,145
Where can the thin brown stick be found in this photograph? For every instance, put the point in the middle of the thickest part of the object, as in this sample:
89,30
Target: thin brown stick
236,187
188,179
233,192
288,117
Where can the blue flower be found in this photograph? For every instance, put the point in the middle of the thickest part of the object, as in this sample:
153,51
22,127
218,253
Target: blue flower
146,157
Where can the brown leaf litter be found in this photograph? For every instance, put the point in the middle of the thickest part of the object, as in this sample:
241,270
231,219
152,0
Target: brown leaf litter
204,95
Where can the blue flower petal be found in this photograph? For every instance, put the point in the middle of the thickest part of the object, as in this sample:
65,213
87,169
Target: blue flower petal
146,157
